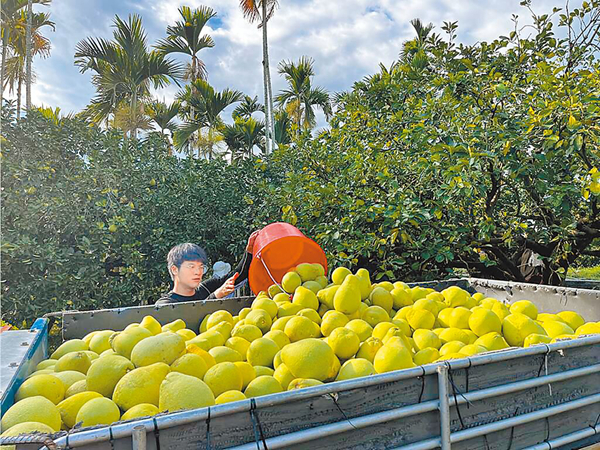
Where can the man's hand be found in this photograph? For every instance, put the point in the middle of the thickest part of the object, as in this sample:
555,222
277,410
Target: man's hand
251,240
227,288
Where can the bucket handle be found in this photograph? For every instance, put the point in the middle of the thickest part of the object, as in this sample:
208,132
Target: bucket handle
258,256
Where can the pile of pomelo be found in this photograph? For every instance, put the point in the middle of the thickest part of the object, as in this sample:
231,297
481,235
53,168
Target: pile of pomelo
311,332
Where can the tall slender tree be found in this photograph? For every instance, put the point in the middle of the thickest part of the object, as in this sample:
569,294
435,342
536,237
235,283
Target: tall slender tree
186,37
28,55
261,11
300,98
15,63
125,69
10,15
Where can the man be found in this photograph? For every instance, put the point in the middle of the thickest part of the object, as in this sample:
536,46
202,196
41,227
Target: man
186,264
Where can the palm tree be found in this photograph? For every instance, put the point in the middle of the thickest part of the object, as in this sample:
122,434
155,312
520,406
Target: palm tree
14,68
28,56
162,115
186,37
243,136
300,98
202,106
247,107
129,121
415,50
10,16
261,11
124,68
282,127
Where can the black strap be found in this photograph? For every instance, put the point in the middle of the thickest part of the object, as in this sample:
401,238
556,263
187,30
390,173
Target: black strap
422,377
208,430
258,432
156,434
512,430
455,390
335,402
112,439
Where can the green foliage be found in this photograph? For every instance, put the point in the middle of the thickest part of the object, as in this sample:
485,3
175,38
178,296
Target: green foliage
587,273
460,157
88,218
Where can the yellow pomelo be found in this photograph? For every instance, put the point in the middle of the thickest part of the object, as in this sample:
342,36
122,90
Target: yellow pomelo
472,349
492,341
310,314
451,347
460,318
312,286
186,334
322,280
298,328
524,307
190,364
401,297
261,370
279,337
103,376
380,330
534,339
203,325
217,317
544,317
472,337
151,324
77,361
331,321
426,356
454,334
98,411
327,295
141,385
223,377
308,271
248,372
420,318
283,375
73,345
229,397
484,321
444,317
455,296
554,328
571,318
141,410
426,338
32,409
418,292
355,368
46,364
347,298
291,281
383,298
448,356
240,345
588,328
344,342
180,391
301,383
262,351
260,319
516,327
174,326
267,305
361,328
99,341
247,332
426,304
288,309
48,386
274,290
393,356
374,315
224,328
207,357
123,342
339,275
369,348
501,310
263,385
309,358
69,377
69,407
25,428
222,354
164,348
76,388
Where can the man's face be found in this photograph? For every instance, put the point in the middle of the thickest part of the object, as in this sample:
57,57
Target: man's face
189,274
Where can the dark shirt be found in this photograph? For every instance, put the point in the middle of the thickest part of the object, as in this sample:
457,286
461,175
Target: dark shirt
206,290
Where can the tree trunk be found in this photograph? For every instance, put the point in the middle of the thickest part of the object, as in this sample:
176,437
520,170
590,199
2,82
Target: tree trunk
269,87
19,83
268,131
2,69
28,56
134,113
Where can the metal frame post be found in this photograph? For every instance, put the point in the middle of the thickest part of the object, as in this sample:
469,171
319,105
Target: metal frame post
444,407
138,438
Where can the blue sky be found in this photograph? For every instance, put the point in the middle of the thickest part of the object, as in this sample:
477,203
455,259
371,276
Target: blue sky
347,38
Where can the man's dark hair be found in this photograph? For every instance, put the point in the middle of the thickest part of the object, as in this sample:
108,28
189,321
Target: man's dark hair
185,252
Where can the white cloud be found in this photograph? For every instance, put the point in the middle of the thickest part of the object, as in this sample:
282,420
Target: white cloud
347,39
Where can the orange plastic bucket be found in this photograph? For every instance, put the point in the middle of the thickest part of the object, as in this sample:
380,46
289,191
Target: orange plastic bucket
277,248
